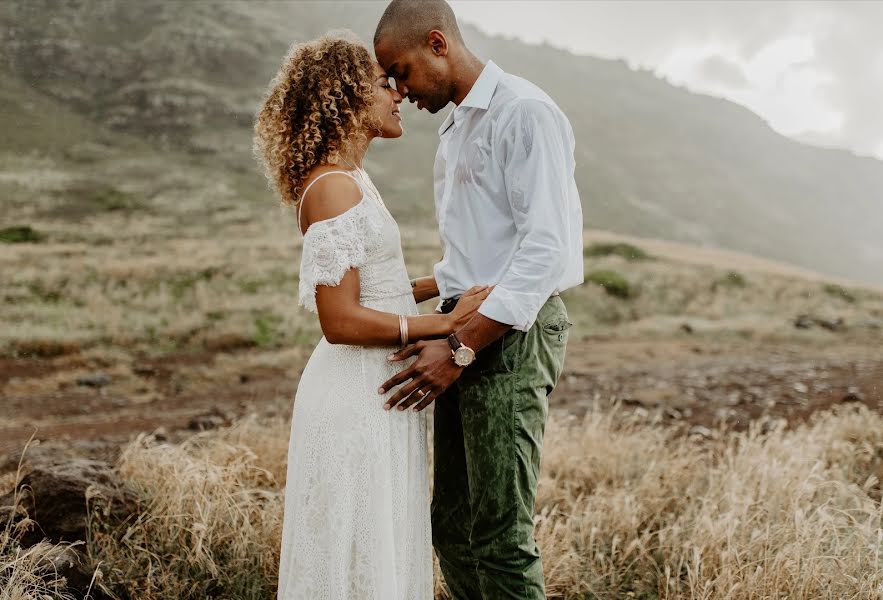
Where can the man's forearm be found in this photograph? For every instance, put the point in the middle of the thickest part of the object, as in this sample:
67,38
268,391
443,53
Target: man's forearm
425,288
481,332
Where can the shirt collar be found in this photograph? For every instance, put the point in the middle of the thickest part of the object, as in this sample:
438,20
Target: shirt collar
480,95
483,89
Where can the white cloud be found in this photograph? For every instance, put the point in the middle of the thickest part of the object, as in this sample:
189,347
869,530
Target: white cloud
719,70
813,70
779,82
772,62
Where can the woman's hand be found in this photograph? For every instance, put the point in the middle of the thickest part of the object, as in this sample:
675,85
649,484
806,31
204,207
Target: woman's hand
468,305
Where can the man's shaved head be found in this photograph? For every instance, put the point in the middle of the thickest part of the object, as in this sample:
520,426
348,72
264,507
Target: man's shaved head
409,22
419,45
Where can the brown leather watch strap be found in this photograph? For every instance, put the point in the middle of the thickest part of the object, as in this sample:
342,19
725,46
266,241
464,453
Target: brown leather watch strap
453,342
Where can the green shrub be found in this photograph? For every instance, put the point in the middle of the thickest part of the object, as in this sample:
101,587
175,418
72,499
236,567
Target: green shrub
20,234
266,333
184,283
86,199
838,291
250,286
613,283
626,251
112,199
731,280
44,293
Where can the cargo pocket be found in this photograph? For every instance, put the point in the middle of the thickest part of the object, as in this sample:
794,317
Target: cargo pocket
511,350
558,329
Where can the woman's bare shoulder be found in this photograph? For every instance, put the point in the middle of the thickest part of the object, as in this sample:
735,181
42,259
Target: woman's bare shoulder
330,193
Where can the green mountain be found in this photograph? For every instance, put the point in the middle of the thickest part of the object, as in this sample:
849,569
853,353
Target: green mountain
653,159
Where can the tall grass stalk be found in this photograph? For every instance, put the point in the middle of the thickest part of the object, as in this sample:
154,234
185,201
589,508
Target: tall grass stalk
28,573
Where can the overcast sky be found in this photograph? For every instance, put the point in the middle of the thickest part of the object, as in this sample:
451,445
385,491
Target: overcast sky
813,70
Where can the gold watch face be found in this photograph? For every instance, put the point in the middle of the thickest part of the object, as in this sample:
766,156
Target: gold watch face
464,356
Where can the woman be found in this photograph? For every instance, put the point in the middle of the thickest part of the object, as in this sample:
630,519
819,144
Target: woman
356,521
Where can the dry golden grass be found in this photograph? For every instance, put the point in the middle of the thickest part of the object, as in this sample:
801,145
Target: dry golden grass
28,573
211,521
625,509
631,510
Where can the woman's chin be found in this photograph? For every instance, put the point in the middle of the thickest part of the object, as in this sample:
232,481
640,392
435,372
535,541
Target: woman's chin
394,131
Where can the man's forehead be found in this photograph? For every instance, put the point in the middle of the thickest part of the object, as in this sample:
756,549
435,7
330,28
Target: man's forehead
391,52
385,50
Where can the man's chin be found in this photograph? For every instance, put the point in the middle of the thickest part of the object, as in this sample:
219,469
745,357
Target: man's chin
434,108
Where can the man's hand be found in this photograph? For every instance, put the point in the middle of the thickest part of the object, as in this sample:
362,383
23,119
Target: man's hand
430,375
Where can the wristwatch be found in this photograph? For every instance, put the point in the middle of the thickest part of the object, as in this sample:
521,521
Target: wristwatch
463,355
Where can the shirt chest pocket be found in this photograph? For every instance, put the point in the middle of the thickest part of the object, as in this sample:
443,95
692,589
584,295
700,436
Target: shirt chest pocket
474,163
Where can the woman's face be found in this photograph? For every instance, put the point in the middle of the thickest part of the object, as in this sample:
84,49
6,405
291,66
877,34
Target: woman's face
387,122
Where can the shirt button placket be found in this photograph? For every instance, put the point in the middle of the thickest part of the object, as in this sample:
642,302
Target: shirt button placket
452,151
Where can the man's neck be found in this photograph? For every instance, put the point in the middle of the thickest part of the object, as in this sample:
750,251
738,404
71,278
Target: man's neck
467,76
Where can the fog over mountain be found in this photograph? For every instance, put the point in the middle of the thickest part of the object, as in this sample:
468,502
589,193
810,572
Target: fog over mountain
653,159
813,69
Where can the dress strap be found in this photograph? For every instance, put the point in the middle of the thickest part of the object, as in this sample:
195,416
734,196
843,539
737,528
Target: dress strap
303,195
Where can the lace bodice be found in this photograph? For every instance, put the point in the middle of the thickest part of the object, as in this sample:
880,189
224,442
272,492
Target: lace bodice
365,237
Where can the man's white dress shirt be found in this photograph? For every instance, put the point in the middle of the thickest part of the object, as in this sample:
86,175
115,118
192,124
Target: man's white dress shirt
506,201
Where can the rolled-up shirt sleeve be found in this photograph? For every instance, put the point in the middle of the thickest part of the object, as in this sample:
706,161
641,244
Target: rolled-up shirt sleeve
536,152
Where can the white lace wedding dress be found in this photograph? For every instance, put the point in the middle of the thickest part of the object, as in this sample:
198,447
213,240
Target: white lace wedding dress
356,523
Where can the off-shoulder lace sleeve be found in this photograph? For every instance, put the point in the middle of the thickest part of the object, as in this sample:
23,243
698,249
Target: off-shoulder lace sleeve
334,246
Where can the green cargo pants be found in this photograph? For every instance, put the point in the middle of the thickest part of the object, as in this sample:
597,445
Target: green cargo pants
488,439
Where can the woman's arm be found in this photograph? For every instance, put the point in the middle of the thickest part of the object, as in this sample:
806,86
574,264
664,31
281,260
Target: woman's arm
343,318
345,321
425,288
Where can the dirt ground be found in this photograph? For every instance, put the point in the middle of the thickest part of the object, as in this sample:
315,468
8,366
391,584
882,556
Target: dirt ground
91,405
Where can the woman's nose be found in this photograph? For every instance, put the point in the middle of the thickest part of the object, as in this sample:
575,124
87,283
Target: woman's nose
397,97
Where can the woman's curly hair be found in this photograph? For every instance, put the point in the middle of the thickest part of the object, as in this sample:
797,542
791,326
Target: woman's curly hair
315,110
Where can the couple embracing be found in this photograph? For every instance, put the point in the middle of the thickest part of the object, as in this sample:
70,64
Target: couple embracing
358,522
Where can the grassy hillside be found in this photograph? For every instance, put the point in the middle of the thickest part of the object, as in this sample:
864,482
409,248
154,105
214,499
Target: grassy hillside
653,159
88,286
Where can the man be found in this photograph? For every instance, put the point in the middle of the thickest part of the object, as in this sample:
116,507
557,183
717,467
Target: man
509,215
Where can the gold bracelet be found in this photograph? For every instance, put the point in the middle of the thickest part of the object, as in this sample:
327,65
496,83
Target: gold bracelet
403,329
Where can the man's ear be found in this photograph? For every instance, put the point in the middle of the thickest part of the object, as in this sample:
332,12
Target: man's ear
438,43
